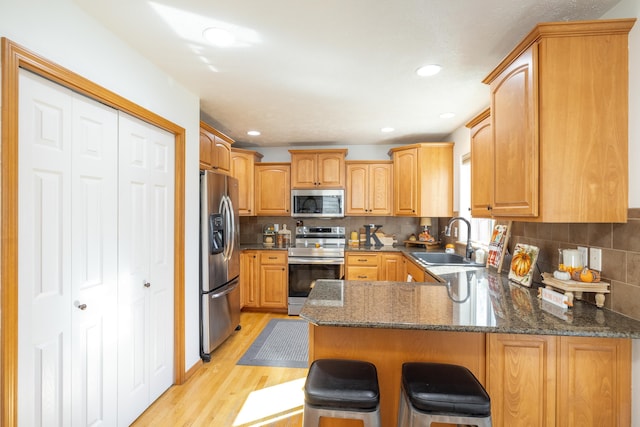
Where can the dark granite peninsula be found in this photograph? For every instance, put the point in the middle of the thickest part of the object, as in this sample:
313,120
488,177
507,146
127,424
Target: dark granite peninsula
542,365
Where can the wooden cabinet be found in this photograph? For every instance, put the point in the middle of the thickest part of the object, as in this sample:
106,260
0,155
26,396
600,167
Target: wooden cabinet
558,381
559,123
481,165
362,266
369,188
272,189
263,279
242,168
215,149
273,279
318,168
594,382
249,279
521,379
416,271
423,179
392,267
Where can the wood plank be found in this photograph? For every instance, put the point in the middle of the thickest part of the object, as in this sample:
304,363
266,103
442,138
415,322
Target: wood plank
222,393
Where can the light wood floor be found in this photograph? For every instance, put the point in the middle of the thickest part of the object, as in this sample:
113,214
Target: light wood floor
222,394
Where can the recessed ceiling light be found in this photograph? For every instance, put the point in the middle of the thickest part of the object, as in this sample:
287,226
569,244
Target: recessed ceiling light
428,70
219,36
253,133
447,115
387,129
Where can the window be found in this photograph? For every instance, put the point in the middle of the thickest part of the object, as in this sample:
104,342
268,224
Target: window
480,227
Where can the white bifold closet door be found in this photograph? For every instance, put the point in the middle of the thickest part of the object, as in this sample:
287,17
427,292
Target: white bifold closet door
95,270
67,251
145,262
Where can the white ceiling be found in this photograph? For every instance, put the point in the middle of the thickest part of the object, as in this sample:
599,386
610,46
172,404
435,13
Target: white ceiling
334,72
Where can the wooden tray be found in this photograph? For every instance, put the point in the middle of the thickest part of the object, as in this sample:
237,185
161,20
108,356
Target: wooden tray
430,246
572,288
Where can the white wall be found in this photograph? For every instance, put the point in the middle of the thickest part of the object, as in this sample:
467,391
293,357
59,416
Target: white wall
60,32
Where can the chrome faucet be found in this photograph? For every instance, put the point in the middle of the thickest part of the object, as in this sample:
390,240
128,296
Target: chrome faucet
447,232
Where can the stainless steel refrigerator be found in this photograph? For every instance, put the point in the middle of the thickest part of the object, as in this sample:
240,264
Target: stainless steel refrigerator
219,261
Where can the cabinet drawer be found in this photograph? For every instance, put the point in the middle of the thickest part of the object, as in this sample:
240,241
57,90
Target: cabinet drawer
362,273
273,257
362,259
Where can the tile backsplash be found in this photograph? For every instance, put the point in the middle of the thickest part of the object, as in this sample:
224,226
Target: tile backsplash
401,227
620,244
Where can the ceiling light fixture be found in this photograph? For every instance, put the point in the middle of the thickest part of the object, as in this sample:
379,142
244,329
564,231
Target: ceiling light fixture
387,129
447,115
253,133
219,36
428,70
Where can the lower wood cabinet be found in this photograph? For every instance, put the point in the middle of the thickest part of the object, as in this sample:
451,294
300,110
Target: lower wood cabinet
538,380
362,266
263,279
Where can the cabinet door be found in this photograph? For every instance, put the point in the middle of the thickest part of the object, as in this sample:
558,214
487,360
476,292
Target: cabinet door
273,193
206,150
414,271
362,266
392,268
405,182
594,382
249,279
481,169
380,189
514,125
221,155
357,189
242,169
521,380
304,170
273,279
330,170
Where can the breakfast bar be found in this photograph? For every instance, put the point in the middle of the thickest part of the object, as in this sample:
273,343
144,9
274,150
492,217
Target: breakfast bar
541,364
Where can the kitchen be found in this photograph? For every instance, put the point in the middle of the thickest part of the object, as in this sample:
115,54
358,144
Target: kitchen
126,69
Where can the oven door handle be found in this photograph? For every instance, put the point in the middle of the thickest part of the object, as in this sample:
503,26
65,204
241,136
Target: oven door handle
311,260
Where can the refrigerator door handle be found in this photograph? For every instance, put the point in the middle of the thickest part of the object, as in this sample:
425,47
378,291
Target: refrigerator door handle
232,228
224,208
228,289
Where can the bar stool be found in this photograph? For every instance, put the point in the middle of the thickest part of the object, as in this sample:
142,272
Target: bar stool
339,388
438,392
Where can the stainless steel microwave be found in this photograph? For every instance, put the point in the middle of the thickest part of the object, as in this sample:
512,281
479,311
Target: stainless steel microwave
317,203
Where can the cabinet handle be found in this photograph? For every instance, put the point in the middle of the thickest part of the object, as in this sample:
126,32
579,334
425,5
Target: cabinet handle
362,260
146,284
488,208
362,277
82,306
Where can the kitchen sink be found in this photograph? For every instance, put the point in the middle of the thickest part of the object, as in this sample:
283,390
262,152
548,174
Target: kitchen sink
441,258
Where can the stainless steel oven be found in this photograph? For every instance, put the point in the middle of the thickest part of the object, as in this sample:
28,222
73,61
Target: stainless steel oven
318,254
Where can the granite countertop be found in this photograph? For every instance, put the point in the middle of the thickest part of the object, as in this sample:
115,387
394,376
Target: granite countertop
466,300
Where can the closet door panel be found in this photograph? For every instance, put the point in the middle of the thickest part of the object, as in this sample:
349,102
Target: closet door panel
44,249
94,258
146,264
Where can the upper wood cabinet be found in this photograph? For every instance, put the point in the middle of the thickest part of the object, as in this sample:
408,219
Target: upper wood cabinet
423,179
242,165
559,121
318,168
215,149
481,164
369,188
273,189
